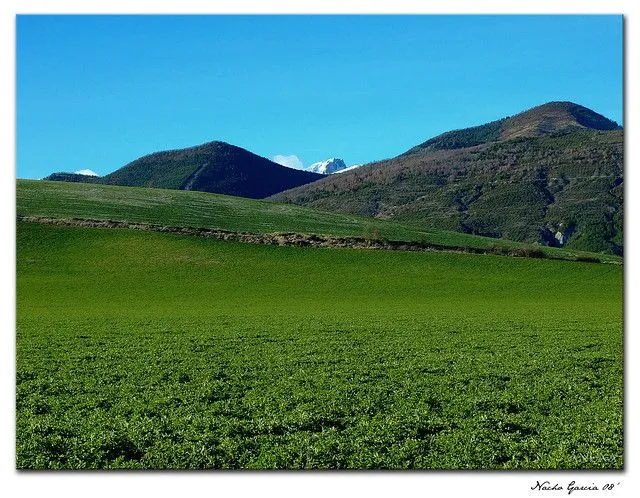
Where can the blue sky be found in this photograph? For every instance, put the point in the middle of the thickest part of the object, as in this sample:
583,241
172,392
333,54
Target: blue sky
96,92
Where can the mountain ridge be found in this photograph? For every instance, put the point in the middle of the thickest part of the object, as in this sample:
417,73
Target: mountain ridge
545,119
550,175
215,167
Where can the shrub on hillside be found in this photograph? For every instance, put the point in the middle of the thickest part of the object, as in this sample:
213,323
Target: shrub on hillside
587,259
528,252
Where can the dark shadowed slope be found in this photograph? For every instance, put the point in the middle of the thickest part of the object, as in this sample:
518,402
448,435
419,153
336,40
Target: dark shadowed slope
215,167
551,175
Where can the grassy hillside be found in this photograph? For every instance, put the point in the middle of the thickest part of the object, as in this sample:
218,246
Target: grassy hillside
524,189
198,209
211,167
146,350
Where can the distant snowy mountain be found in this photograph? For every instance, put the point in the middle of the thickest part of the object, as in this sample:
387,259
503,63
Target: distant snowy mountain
329,166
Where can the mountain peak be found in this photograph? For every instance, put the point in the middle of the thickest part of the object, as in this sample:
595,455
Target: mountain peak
328,166
216,167
542,120
554,117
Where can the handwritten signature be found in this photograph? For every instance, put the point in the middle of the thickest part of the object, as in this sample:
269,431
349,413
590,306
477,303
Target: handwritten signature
572,486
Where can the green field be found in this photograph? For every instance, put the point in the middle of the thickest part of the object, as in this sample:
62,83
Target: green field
147,350
236,214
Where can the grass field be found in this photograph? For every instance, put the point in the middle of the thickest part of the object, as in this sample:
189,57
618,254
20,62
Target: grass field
204,210
147,350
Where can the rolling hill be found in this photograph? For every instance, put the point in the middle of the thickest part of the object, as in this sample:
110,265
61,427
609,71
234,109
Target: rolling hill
250,220
216,167
551,175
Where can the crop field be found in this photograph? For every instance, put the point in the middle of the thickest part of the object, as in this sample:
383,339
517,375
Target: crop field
237,214
160,351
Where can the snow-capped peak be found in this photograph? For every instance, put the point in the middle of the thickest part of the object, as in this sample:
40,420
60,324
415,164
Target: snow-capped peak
329,166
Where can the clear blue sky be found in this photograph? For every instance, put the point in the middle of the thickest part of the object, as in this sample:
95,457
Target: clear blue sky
96,92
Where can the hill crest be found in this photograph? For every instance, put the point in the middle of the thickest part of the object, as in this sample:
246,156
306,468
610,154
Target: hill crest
543,120
215,167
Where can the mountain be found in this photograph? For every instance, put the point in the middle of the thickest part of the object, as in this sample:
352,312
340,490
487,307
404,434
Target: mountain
216,167
539,121
551,175
328,166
